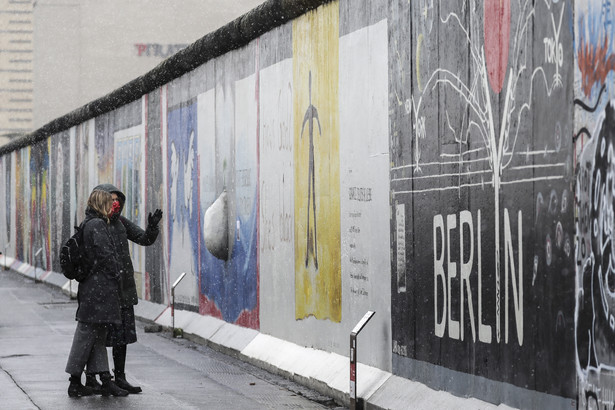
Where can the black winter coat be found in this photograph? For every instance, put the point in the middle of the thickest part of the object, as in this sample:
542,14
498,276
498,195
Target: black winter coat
122,230
98,296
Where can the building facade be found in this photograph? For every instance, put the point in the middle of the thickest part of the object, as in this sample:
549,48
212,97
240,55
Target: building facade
57,56
16,67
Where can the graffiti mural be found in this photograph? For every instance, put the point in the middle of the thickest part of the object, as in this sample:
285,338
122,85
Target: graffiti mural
473,149
594,203
316,140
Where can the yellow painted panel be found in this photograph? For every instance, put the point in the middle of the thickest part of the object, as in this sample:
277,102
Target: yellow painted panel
318,280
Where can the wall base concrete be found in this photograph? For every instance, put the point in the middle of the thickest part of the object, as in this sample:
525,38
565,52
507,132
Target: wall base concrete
325,372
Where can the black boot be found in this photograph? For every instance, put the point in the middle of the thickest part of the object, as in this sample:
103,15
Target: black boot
120,381
76,389
109,387
91,382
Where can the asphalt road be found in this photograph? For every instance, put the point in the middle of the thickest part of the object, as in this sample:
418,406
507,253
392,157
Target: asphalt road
36,330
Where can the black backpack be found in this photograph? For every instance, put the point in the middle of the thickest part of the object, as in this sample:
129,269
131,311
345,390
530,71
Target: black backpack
72,256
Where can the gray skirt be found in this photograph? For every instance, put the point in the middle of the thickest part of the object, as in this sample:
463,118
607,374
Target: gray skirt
126,333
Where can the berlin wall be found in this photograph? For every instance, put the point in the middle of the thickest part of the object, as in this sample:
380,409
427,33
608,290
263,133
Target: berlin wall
449,165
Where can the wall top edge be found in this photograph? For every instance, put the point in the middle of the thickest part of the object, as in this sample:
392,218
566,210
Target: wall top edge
233,35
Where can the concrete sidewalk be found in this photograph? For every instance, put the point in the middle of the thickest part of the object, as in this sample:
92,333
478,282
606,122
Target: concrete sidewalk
324,372
37,323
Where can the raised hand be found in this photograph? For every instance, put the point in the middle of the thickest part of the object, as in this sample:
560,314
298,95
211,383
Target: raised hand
153,219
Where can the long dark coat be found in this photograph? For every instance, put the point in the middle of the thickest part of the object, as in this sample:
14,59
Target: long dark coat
98,296
122,230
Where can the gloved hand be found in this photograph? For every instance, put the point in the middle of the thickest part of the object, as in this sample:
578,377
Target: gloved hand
153,219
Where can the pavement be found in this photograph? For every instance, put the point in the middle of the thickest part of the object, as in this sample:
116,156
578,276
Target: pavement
36,330
184,372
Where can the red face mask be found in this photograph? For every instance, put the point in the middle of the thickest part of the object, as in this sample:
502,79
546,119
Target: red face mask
115,208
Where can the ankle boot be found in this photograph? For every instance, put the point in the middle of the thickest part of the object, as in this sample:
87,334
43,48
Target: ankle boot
120,381
76,389
91,382
110,388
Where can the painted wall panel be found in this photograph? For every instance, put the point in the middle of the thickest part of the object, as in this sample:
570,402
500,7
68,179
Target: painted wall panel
14,182
316,141
470,179
39,235
594,116
244,292
154,284
22,205
5,210
364,186
166,192
61,227
104,147
211,268
182,201
276,223
229,289
129,169
81,181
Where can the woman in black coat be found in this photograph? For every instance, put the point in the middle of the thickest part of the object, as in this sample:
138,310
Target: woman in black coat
98,300
123,230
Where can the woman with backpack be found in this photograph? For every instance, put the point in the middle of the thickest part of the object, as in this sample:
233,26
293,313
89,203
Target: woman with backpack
98,300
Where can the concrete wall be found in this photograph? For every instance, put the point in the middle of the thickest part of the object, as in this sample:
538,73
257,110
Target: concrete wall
438,163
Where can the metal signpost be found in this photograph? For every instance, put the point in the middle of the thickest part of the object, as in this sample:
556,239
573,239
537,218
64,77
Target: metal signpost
6,267
353,357
173,301
36,264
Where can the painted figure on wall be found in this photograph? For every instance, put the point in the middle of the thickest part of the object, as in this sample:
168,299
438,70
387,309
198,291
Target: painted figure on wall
312,237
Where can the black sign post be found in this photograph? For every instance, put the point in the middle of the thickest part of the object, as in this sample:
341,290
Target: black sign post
353,357
173,302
